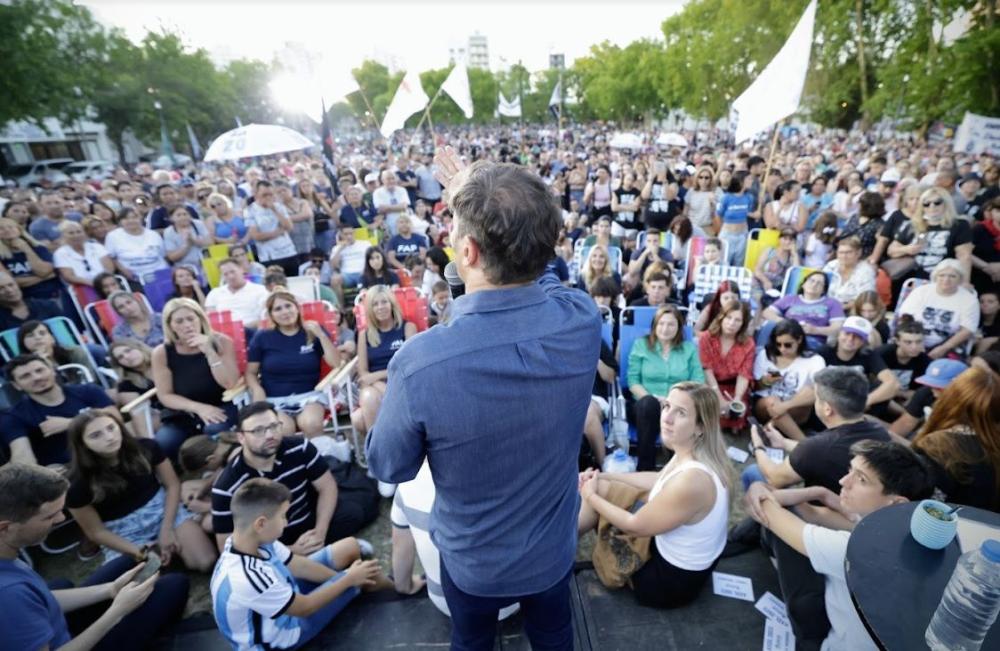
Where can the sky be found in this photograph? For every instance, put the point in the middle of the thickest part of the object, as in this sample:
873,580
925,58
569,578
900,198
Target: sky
402,35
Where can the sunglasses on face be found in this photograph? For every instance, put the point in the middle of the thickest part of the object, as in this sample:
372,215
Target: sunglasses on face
787,344
705,178
935,202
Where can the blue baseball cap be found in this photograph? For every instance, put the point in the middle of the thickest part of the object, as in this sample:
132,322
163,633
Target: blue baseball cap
941,372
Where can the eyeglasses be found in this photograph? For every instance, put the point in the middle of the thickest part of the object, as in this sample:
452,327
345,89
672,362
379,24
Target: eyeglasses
786,344
264,429
936,202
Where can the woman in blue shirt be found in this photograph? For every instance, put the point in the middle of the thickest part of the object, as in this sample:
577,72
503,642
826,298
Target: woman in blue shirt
657,362
734,208
284,365
225,227
383,335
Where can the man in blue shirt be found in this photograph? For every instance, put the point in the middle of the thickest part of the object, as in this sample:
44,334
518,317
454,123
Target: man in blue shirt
517,360
35,427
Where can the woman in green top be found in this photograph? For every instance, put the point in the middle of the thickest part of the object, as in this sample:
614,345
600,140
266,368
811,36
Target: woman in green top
656,363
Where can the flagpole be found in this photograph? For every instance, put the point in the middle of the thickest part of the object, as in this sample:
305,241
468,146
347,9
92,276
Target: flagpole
427,110
767,168
371,111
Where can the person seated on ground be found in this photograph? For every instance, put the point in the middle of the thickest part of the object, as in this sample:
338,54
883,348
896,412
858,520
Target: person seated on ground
989,325
818,314
939,374
869,306
727,294
597,265
727,352
34,428
950,314
656,363
411,539
852,350
192,368
125,495
137,251
244,299
773,263
347,260
36,337
404,244
320,514
284,365
185,238
683,507
384,334
253,271
881,474
783,371
109,611
16,309
132,360
376,272
822,459
266,594
29,261
905,358
137,322
205,457
657,286
961,440
439,304
184,279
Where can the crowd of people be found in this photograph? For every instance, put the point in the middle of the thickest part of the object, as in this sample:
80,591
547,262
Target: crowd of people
846,297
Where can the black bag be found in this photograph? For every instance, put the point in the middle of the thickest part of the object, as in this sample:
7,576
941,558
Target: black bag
356,487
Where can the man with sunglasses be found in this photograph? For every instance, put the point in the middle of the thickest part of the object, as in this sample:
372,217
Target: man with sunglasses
317,517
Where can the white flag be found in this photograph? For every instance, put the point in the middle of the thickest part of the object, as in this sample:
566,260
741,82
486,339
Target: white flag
555,101
410,98
457,87
509,109
776,93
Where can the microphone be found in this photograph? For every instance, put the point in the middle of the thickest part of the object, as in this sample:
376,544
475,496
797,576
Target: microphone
455,282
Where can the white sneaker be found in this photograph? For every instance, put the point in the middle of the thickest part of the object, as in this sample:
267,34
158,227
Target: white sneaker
385,489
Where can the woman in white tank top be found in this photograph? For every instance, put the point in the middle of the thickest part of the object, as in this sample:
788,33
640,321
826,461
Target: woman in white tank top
688,505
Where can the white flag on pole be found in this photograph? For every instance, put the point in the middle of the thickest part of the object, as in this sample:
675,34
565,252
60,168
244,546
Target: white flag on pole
509,109
457,87
410,98
777,91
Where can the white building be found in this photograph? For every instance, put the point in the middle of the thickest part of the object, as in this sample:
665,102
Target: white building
479,52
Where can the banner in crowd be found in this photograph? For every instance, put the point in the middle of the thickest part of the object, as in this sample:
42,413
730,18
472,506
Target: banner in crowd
509,109
410,98
457,87
555,100
776,92
978,134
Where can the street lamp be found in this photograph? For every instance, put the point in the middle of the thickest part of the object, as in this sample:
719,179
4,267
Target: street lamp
166,146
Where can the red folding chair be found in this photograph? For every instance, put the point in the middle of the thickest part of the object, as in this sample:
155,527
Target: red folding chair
411,301
102,319
222,323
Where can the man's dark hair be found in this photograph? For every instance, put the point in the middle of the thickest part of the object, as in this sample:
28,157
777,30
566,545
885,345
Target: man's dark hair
227,261
901,471
253,409
25,487
513,218
755,160
843,388
18,362
880,160
258,497
262,183
871,205
160,188
605,286
275,278
909,326
657,276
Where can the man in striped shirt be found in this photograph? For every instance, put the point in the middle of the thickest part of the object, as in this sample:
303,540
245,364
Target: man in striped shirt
266,597
313,517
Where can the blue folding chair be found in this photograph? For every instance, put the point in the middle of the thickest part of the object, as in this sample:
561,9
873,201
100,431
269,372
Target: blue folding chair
158,288
796,275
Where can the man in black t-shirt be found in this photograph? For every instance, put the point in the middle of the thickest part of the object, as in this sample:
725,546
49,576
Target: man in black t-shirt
939,375
851,351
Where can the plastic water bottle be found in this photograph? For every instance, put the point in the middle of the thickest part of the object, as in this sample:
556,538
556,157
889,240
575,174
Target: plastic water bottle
619,426
970,602
619,462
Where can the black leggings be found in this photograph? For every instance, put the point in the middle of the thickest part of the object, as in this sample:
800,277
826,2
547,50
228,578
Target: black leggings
646,417
661,585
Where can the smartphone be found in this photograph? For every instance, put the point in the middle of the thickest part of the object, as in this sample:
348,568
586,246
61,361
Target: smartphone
153,563
754,422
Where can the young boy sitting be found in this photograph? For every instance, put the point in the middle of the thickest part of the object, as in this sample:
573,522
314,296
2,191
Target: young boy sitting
263,595
881,474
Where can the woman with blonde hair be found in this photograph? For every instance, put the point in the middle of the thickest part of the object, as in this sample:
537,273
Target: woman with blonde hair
137,320
961,440
700,200
192,369
684,506
28,261
284,365
132,360
936,233
384,333
223,224
597,265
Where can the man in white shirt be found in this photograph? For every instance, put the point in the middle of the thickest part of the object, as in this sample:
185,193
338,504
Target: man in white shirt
347,261
237,295
390,200
881,474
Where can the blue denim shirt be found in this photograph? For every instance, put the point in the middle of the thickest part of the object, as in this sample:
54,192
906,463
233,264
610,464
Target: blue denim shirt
496,401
